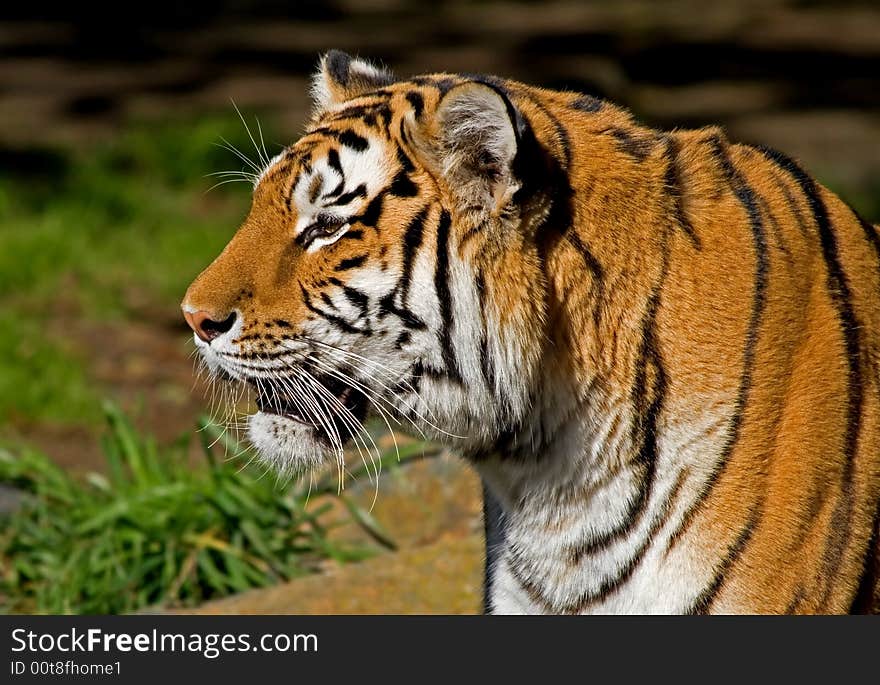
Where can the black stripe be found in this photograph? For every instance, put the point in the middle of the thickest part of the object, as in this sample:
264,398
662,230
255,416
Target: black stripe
514,562
704,600
395,302
610,584
412,239
493,525
336,192
405,162
596,271
746,197
357,298
420,370
647,394
402,186
775,229
337,321
797,598
864,601
561,132
841,297
372,212
320,131
354,296
351,263
408,318
587,103
346,137
632,143
368,113
417,102
334,163
443,85
384,114
589,258
353,140
793,206
345,198
486,363
441,285
404,138
872,235
672,181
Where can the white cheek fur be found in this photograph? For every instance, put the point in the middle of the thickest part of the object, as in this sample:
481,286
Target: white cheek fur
287,447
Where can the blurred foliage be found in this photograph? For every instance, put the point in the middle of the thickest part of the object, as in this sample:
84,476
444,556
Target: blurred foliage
154,530
130,211
40,377
92,234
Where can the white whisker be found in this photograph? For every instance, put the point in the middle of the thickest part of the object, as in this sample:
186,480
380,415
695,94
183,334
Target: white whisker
264,161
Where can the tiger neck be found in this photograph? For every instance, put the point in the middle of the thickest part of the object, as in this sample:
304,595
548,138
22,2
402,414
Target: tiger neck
576,445
582,481
577,500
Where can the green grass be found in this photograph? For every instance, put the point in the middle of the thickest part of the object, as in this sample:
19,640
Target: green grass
39,377
92,234
154,530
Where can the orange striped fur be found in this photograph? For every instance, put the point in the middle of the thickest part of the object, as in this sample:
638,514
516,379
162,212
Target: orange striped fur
661,350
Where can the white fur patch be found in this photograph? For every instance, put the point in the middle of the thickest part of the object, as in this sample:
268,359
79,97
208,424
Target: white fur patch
285,445
367,168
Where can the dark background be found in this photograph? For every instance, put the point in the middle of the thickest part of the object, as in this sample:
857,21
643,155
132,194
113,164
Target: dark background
803,75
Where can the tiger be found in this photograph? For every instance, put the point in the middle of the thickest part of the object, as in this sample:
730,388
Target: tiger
660,350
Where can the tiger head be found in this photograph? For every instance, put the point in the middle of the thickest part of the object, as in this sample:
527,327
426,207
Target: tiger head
387,267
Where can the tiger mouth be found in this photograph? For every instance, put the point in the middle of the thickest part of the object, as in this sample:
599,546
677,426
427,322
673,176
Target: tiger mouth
315,408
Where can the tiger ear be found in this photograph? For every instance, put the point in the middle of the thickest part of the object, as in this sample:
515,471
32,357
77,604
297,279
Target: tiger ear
471,143
341,77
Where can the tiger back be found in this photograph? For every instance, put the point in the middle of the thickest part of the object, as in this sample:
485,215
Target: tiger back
660,350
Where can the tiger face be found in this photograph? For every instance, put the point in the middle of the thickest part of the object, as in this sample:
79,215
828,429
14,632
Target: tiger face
357,283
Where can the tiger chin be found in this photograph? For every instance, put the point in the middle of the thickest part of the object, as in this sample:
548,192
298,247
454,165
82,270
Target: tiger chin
660,350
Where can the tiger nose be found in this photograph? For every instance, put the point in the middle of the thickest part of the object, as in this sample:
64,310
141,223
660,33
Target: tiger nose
206,325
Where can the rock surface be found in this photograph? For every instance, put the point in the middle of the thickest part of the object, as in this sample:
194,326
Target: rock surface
441,578
432,510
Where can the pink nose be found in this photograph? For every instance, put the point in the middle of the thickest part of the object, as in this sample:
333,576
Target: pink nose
206,326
